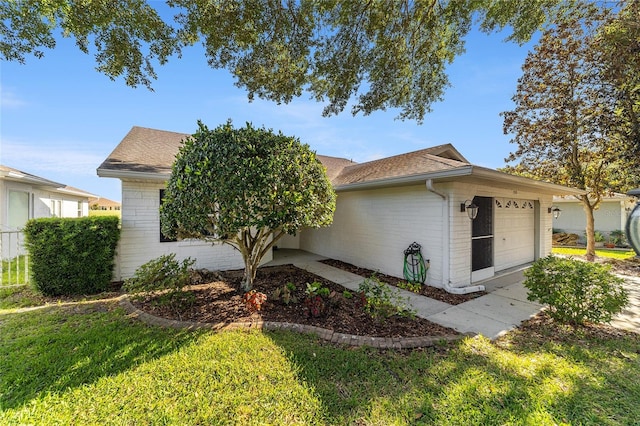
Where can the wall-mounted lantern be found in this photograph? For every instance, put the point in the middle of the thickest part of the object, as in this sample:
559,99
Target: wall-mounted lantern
470,208
556,212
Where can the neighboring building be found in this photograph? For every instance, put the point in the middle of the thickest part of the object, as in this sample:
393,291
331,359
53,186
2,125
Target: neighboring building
611,215
104,204
24,196
382,207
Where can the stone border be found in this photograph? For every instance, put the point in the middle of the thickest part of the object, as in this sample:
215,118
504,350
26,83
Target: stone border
323,333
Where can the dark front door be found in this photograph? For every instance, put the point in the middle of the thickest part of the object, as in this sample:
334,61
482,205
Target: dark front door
482,239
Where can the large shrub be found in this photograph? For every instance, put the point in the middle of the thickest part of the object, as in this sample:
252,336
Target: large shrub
245,187
72,256
576,291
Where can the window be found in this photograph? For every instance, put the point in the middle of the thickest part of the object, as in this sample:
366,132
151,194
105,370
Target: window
163,238
18,209
56,208
79,208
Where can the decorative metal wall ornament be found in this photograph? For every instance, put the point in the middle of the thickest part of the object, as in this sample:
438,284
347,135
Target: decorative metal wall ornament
415,268
633,223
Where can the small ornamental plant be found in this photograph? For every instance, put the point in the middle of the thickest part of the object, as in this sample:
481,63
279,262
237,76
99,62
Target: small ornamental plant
254,300
409,286
285,294
165,276
380,301
314,302
576,292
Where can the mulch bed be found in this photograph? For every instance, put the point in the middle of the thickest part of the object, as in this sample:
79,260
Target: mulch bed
426,290
218,299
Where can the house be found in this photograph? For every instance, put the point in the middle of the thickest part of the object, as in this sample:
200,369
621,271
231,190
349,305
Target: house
382,207
610,216
104,204
25,196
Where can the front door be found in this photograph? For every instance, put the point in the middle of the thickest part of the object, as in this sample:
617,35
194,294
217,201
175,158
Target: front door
482,266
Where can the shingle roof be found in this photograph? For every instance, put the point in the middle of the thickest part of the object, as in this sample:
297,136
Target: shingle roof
153,151
145,150
149,153
409,164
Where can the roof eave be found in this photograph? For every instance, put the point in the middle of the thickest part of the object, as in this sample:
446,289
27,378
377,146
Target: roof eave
30,179
490,174
76,193
405,180
470,171
128,174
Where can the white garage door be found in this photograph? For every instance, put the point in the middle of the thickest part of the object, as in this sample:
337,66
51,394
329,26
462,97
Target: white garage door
514,232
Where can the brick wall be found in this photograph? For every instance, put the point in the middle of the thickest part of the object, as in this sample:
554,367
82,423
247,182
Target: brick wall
140,240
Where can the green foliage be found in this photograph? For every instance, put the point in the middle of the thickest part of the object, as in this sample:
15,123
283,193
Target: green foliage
347,294
381,301
245,187
316,289
566,123
71,256
118,38
162,273
598,237
414,287
372,55
168,277
618,237
285,294
576,292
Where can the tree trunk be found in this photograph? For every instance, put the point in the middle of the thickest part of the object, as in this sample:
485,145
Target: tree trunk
590,231
250,270
253,249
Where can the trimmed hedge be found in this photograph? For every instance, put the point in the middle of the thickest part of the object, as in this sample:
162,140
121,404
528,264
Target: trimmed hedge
72,256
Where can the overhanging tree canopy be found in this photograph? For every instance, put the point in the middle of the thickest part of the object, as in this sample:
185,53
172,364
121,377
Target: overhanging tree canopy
376,54
245,187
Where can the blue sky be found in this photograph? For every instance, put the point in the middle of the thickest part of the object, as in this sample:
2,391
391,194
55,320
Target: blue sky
60,118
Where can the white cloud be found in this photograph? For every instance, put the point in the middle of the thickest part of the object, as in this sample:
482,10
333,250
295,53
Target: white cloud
62,158
10,100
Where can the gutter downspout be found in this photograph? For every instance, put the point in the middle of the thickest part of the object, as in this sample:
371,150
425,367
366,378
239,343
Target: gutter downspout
446,248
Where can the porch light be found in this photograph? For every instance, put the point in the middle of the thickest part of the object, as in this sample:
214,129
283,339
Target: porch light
556,212
470,208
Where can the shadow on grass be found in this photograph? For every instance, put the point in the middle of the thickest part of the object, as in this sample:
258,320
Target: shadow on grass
61,347
530,377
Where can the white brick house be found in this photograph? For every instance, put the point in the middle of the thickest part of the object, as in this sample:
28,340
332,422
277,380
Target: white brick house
382,207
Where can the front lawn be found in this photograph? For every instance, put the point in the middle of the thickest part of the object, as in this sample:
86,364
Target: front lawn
88,363
600,252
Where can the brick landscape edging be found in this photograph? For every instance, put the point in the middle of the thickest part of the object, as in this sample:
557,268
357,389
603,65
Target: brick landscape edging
323,333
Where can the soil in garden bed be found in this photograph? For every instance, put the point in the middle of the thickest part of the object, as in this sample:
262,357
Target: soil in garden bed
425,290
219,300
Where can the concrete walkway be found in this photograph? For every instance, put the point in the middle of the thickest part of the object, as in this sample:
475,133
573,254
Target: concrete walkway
629,318
492,315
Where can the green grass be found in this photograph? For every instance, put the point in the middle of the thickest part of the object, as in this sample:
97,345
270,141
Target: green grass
609,253
91,364
105,213
13,271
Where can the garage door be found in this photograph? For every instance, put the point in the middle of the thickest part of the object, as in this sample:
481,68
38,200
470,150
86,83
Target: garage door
514,232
